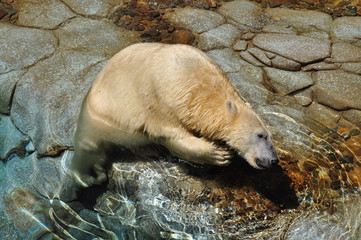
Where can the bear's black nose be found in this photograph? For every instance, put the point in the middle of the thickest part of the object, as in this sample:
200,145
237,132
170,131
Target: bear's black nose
274,161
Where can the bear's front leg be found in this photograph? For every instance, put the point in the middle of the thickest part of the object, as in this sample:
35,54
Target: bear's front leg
198,150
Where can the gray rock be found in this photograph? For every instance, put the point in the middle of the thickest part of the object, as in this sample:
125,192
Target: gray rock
7,83
20,46
260,55
337,89
47,99
94,37
248,81
285,64
240,45
353,116
243,14
321,66
298,48
301,20
352,67
226,58
220,37
324,115
316,34
304,98
347,28
345,52
278,28
248,36
47,14
196,20
91,7
11,139
251,59
285,82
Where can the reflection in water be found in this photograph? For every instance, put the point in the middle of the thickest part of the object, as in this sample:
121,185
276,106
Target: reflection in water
313,194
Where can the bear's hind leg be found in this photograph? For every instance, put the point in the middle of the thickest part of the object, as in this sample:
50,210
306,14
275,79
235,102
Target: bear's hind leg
198,150
88,166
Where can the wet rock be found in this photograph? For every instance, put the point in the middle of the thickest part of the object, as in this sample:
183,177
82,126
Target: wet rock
278,28
301,20
7,83
25,42
196,20
248,82
92,7
182,37
304,98
323,115
251,59
345,52
260,55
285,82
338,89
12,140
48,97
352,67
347,28
285,64
94,37
298,48
240,45
321,66
226,58
353,116
220,37
46,14
243,14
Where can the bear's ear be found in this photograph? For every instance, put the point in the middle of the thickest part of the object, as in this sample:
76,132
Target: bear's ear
232,108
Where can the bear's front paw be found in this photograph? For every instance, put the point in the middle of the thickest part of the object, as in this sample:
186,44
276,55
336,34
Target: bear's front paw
220,156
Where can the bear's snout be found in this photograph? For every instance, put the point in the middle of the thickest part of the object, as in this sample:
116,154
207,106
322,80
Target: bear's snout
266,163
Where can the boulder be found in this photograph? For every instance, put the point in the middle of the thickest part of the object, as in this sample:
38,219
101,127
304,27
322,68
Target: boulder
298,48
20,46
243,14
301,20
337,89
220,37
196,20
226,58
285,82
94,37
345,52
8,82
92,7
347,28
47,14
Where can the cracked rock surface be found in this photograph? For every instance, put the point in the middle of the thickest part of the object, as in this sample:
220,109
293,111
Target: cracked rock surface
300,71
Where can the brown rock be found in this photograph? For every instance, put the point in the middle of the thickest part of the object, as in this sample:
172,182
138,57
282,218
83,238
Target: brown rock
3,13
182,37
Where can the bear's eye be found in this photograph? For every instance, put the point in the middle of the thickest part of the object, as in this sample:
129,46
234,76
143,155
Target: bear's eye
260,135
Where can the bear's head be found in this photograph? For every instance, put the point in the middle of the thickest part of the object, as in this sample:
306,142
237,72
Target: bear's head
249,136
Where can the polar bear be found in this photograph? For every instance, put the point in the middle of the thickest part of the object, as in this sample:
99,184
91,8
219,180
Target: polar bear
172,95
